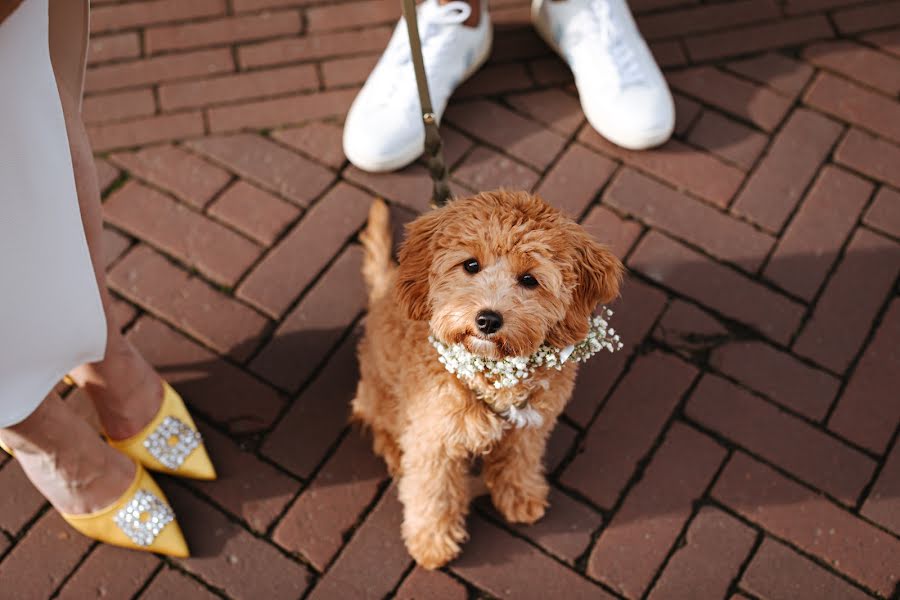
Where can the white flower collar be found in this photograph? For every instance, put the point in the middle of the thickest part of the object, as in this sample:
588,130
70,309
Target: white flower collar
511,371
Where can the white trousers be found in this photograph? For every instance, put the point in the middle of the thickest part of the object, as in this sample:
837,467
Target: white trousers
51,317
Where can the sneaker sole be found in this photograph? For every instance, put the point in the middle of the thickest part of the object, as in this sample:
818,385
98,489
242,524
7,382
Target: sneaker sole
410,156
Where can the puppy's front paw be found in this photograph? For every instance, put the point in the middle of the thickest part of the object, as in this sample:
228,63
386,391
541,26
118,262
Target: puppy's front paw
521,504
432,548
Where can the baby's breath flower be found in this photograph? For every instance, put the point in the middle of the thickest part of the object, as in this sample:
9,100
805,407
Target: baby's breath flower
512,370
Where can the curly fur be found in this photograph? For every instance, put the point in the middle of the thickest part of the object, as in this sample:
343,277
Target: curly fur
426,424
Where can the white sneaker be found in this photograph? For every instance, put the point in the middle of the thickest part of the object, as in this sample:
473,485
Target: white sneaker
623,93
384,129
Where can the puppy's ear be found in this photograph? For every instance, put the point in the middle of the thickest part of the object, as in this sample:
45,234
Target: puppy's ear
415,256
599,275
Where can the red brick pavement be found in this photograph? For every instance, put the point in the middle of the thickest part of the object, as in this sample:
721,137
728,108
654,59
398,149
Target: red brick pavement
743,445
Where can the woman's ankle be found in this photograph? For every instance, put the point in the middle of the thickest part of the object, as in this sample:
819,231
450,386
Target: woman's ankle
124,388
475,17
38,432
66,460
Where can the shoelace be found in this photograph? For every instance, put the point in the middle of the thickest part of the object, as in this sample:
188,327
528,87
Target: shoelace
432,19
600,27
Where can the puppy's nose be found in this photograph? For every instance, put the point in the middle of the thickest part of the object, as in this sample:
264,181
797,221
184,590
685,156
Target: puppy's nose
488,322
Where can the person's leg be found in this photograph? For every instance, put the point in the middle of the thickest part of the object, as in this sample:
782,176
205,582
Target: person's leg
475,17
125,389
58,451
66,460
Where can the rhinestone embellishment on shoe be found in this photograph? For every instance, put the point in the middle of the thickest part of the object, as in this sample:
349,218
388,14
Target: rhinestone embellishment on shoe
144,517
172,442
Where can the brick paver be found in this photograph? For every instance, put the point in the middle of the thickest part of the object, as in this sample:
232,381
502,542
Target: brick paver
743,445
716,544
778,572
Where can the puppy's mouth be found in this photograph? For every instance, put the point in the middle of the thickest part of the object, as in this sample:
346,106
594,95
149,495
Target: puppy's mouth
492,347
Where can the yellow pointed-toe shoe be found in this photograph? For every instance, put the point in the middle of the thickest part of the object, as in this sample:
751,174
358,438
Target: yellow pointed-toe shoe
170,443
141,519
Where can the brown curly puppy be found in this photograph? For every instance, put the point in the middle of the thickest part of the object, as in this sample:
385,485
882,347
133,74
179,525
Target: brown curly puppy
500,273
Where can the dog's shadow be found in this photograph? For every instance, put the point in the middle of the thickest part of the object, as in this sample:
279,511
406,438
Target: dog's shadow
268,443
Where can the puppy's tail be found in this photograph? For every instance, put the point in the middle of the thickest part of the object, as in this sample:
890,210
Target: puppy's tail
376,239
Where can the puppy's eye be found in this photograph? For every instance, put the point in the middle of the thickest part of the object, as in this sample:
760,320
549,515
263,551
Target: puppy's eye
528,280
471,266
